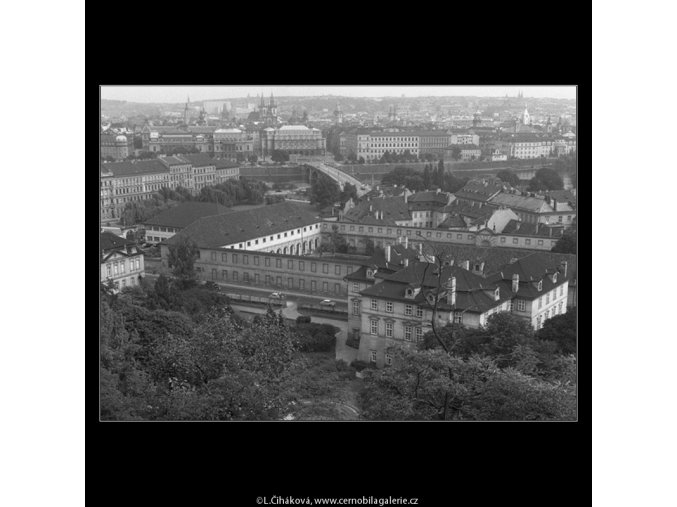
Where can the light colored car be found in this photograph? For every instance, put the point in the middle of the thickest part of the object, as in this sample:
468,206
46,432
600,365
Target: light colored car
277,295
327,302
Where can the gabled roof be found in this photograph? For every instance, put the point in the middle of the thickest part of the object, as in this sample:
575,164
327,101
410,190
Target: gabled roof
470,288
516,201
532,269
240,226
186,213
110,241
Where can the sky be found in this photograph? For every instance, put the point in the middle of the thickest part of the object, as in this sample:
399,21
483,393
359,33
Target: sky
199,93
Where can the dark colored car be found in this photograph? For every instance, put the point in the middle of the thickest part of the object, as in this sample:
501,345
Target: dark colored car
212,286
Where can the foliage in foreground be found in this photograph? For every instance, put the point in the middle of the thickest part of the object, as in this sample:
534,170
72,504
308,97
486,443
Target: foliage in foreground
501,372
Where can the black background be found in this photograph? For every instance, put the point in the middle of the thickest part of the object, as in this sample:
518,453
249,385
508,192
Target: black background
337,44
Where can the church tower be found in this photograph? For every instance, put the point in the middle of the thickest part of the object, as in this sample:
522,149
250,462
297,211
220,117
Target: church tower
526,119
338,114
185,111
272,107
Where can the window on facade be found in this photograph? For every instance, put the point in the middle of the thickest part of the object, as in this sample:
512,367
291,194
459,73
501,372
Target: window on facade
290,264
547,298
389,306
356,287
389,329
561,290
389,359
419,312
521,305
408,309
374,304
325,268
514,240
407,333
267,261
278,263
224,274
234,258
337,269
419,334
214,256
372,356
245,259
373,326
356,307
108,270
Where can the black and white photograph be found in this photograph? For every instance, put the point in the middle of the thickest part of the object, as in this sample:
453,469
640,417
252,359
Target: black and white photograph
338,253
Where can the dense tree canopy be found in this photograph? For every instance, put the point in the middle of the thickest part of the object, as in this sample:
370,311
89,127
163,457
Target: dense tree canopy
546,179
567,243
507,176
324,191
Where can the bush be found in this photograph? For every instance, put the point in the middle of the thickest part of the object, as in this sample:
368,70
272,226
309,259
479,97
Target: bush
303,319
316,337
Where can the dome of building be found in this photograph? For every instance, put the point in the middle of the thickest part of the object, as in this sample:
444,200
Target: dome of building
120,139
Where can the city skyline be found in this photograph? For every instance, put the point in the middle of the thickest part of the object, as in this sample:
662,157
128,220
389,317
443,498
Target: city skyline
179,93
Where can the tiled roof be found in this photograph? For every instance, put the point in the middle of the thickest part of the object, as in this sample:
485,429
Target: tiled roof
470,288
428,197
516,201
240,226
481,189
198,159
109,241
170,161
224,163
532,269
186,213
393,208
153,166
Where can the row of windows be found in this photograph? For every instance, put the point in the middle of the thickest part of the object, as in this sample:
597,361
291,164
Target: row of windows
272,281
235,258
118,267
554,293
408,330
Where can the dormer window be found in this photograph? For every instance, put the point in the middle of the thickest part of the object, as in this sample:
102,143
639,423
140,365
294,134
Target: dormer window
497,294
554,278
540,285
409,293
431,299
370,273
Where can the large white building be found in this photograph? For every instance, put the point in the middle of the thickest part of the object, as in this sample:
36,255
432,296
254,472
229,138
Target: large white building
284,228
293,139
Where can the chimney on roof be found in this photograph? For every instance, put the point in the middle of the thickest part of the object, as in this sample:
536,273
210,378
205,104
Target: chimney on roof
515,282
406,242
554,204
405,196
466,264
388,252
406,262
438,190
371,208
451,291
420,248
564,268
